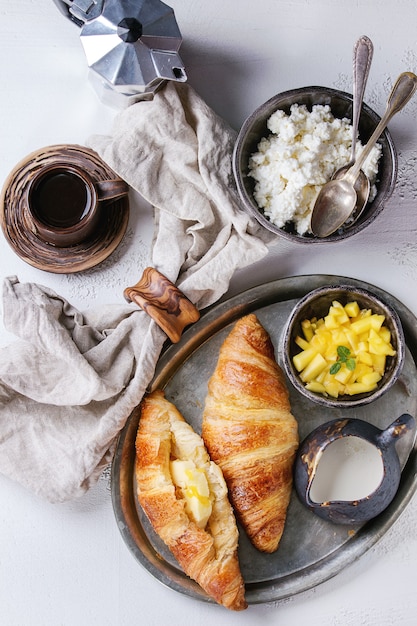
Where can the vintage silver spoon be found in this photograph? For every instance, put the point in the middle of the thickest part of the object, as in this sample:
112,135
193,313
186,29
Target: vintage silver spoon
362,57
337,198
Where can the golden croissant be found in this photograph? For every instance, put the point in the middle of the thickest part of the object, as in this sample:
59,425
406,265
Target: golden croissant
184,495
250,432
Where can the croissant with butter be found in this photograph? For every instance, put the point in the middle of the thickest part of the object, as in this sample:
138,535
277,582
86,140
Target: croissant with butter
250,432
172,471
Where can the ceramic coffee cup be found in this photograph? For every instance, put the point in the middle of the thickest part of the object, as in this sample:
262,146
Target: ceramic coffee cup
65,204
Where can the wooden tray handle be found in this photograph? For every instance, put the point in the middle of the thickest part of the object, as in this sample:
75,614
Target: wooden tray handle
163,302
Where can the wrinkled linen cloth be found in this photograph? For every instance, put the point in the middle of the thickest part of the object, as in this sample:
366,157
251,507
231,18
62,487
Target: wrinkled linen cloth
71,379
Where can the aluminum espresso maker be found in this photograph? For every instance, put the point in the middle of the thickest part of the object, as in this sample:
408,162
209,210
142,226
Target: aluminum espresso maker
131,46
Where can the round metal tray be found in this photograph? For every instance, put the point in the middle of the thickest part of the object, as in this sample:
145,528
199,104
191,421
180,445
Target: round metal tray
312,550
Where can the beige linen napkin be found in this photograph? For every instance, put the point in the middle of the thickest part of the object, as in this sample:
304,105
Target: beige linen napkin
71,379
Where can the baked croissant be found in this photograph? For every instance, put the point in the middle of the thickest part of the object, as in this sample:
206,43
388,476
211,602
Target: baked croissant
198,527
250,432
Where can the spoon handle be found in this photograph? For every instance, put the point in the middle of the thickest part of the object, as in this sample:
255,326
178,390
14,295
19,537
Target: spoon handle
362,57
401,93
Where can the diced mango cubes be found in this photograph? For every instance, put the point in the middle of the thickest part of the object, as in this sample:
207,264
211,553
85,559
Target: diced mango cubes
302,359
353,342
313,368
352,309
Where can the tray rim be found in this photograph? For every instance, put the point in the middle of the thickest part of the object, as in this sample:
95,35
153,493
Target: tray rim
212,320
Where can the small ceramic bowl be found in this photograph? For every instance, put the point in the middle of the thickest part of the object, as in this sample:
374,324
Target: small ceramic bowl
348,471
255,127
316,304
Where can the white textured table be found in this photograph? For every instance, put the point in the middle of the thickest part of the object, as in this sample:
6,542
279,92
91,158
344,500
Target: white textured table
67,564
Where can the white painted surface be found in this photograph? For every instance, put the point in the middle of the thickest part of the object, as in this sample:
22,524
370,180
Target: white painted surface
67,564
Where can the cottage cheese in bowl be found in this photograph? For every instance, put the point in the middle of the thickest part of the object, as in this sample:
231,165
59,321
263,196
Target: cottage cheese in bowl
300,154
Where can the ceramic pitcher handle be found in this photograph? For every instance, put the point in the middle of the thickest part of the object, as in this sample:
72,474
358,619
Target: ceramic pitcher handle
163,302
397,429
111,189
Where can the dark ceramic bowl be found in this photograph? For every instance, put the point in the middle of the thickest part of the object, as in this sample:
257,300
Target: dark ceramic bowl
334,498
317,304
254,128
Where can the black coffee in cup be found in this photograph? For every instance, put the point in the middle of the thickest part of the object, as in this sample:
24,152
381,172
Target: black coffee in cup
65,205
60,198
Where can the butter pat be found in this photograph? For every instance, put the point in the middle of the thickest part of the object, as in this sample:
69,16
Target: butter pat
193,483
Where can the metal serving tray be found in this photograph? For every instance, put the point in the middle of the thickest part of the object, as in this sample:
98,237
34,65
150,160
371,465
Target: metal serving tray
312,550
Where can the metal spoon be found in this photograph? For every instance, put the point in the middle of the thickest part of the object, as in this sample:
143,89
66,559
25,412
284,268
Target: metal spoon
337,198
362,57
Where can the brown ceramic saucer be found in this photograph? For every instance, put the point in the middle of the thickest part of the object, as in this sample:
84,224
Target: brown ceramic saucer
46,256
